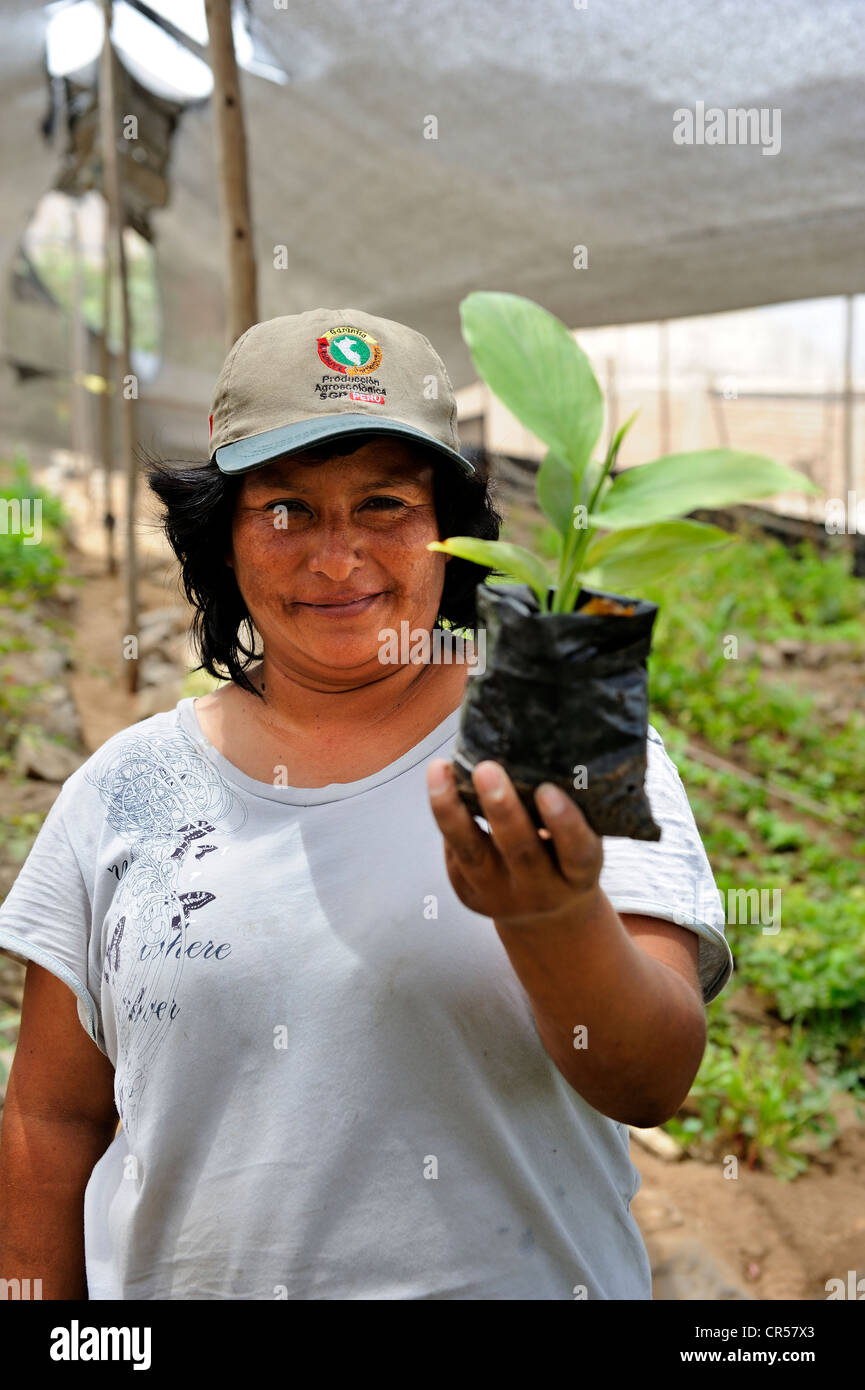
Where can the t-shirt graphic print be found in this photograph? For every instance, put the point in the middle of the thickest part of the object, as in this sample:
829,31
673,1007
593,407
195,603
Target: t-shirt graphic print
167,804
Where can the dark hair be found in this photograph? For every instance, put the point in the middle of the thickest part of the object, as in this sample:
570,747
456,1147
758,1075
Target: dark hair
199,500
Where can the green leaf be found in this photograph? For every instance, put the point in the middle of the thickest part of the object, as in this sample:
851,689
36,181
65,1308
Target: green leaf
533,364
555,487
628,559
512,559
680,483
615,446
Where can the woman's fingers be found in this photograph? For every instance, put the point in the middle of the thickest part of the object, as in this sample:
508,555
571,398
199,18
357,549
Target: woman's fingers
471,845
579,851
512,871
515,835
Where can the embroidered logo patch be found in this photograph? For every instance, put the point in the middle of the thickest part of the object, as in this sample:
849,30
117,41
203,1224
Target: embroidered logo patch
349,350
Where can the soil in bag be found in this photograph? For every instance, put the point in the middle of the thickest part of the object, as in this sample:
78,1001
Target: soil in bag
563,698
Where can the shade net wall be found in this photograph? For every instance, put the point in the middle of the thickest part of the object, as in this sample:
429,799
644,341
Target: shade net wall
554,129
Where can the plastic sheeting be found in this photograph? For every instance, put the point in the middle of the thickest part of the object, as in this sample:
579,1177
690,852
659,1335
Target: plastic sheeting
418,152
562,694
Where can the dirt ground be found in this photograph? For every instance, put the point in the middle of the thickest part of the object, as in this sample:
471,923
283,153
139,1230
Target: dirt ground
753,1236
709,1236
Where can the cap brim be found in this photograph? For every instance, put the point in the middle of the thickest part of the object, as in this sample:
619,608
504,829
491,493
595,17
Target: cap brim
258,449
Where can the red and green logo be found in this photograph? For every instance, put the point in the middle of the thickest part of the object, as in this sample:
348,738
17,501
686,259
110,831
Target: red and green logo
349,350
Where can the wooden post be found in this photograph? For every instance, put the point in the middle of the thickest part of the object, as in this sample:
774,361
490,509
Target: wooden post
716,403
664,387
241,286
849,466
105,398
612,401
116,211
79,400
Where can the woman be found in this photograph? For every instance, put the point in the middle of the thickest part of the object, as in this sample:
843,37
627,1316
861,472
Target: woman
362,1046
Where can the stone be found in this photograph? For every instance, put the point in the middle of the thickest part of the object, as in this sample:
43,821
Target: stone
157,699
172,618
654,1211
36,756
770,657
153,670
46,663
156,635
54,662
53,709
65,594
790,648
658,1142
747,648
683,1269
60,604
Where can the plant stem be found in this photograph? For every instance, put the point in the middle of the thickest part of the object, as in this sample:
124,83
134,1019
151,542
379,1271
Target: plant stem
568,579
569,587
566,559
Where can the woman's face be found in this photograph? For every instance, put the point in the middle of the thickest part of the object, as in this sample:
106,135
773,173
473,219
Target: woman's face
310,539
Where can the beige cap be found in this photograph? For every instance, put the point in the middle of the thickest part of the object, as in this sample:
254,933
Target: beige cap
291,383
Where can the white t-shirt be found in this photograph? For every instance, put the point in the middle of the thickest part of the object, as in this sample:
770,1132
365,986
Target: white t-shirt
329,1076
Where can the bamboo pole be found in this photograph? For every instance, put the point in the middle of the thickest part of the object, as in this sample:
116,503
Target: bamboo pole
105,398
612,399
716,404
80,403
664,387
848,409
230,138
113,190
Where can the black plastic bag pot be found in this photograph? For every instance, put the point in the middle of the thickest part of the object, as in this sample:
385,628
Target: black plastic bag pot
558,692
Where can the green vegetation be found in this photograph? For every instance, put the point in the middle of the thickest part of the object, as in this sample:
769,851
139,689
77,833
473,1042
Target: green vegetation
199,683
9,1019
17,834
755,1096
27,568
762,593
27,572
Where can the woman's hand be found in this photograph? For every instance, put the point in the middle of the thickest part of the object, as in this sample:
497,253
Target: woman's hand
511,875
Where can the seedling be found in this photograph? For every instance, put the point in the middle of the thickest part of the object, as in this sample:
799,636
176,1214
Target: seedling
565,681
614,533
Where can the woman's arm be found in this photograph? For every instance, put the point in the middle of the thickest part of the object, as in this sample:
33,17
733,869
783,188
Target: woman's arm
58,1120
624,1025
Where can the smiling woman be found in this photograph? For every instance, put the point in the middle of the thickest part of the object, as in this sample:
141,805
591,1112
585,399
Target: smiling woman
318,555
362,1046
